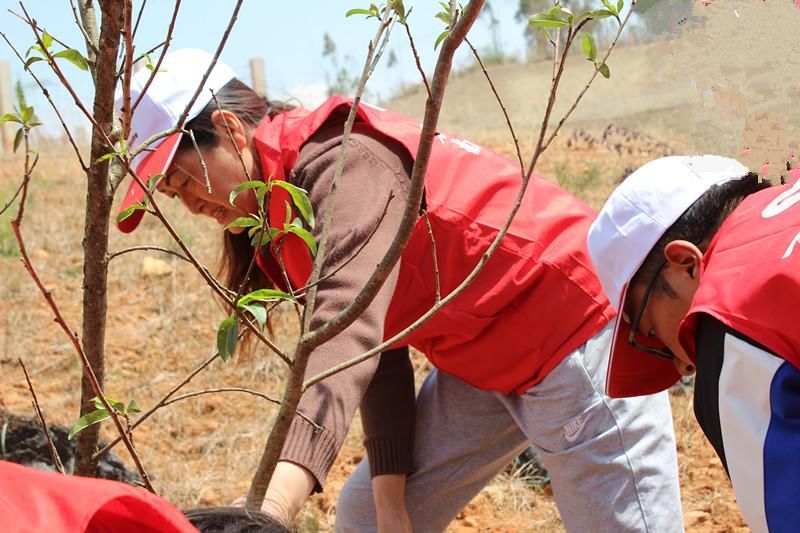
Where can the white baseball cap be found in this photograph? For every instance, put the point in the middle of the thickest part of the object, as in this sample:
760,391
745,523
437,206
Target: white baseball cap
633,219
173,86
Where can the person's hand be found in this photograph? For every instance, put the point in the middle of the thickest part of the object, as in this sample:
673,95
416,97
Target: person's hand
288,490
389,492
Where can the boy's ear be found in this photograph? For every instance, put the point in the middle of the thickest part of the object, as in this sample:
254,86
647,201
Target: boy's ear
228,126
685,256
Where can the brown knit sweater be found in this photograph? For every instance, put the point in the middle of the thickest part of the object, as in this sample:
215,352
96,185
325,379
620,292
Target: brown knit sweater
375,169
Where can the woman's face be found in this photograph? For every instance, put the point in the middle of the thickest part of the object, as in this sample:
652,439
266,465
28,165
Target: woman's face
186,179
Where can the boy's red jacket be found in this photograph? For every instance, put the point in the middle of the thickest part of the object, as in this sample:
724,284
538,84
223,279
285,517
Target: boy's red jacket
34,501
750,278
536,300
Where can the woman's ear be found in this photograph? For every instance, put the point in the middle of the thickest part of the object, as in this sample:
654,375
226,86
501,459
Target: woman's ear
684,256
229,126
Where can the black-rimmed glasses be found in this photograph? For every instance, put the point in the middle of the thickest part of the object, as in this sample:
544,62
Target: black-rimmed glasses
664,354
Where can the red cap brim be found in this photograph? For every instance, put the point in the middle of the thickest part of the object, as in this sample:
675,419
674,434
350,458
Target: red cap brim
633,372
156,162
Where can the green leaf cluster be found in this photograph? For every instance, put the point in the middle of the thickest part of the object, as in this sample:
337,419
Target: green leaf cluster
252,304
23,114
152,183
100,413
444,16
371,11
261,234
258,227
39,52
590,51
559,16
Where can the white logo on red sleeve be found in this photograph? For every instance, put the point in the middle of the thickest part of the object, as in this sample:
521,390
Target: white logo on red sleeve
790,249
783,201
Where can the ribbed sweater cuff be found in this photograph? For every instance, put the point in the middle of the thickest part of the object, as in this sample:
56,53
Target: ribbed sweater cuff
311,448
390,456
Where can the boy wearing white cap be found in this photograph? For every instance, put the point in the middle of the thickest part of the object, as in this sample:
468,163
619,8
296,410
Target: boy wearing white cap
701,260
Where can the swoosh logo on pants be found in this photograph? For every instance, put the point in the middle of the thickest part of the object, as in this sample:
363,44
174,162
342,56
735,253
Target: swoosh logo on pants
574,427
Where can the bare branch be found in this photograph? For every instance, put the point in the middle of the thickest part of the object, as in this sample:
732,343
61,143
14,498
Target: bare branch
322,247
90,47
416,58
435,259
90,31
167,41
252,392
202,161
118,253
13,197
16,226
127,72
139,18
214,60
366,241
160,403
502,106
53,452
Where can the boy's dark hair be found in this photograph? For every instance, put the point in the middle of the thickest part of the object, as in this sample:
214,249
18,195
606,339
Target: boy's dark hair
700,222
234,520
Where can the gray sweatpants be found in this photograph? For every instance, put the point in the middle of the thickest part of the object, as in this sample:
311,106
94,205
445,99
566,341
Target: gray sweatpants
612,463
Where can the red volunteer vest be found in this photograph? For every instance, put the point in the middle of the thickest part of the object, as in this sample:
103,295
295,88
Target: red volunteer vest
535,301
750,275
31,500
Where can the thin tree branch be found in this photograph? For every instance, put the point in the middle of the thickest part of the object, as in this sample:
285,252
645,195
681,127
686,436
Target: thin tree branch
484,258
60,75
202,161
55,39
591,79
139,18
322,247
357,251
238,389
416,58
46,94
517,149
127,72
90,32
14,197
16,226
167,41
144,416
53,452
118,253
435,260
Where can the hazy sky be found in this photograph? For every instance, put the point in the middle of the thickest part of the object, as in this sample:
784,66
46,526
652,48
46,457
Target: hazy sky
287,35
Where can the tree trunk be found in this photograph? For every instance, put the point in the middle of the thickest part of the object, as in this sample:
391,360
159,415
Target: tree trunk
99,197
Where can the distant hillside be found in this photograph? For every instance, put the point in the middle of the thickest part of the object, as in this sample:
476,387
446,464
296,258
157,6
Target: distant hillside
700,88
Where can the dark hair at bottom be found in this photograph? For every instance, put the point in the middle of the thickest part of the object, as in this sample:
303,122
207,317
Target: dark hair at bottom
234,520
700,221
